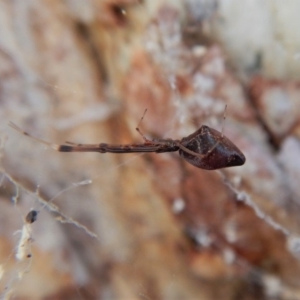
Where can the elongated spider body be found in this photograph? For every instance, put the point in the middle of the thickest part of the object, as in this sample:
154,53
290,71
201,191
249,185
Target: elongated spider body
206,148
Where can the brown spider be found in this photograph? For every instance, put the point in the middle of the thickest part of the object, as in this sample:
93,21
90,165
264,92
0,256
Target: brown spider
206,148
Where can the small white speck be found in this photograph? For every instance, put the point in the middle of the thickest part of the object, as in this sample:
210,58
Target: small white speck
229,256
272,286
294,244
84,182
172,82
199,50
178,205
240,196
203,238
237,180
231,234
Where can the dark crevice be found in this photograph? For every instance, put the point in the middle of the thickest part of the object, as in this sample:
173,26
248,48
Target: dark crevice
84,33
273,140
118,12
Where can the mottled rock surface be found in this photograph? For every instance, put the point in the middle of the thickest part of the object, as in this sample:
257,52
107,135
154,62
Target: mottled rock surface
145,226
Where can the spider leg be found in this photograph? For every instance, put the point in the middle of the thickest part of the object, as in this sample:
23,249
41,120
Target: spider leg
139,130
71,143
224,118
81,145
214,146
17,128
190,151
197,154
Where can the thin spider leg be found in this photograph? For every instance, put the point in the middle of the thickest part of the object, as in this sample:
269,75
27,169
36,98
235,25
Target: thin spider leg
72,143
80,144
190,151
51,145
213,147
73,146
138,129
223,123
197,154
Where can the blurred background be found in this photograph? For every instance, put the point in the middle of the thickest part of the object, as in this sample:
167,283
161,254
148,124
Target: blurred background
149,226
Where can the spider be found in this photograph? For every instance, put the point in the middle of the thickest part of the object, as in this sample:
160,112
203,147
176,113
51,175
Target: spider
206,148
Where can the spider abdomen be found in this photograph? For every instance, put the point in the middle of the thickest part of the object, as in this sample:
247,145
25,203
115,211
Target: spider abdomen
212,150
